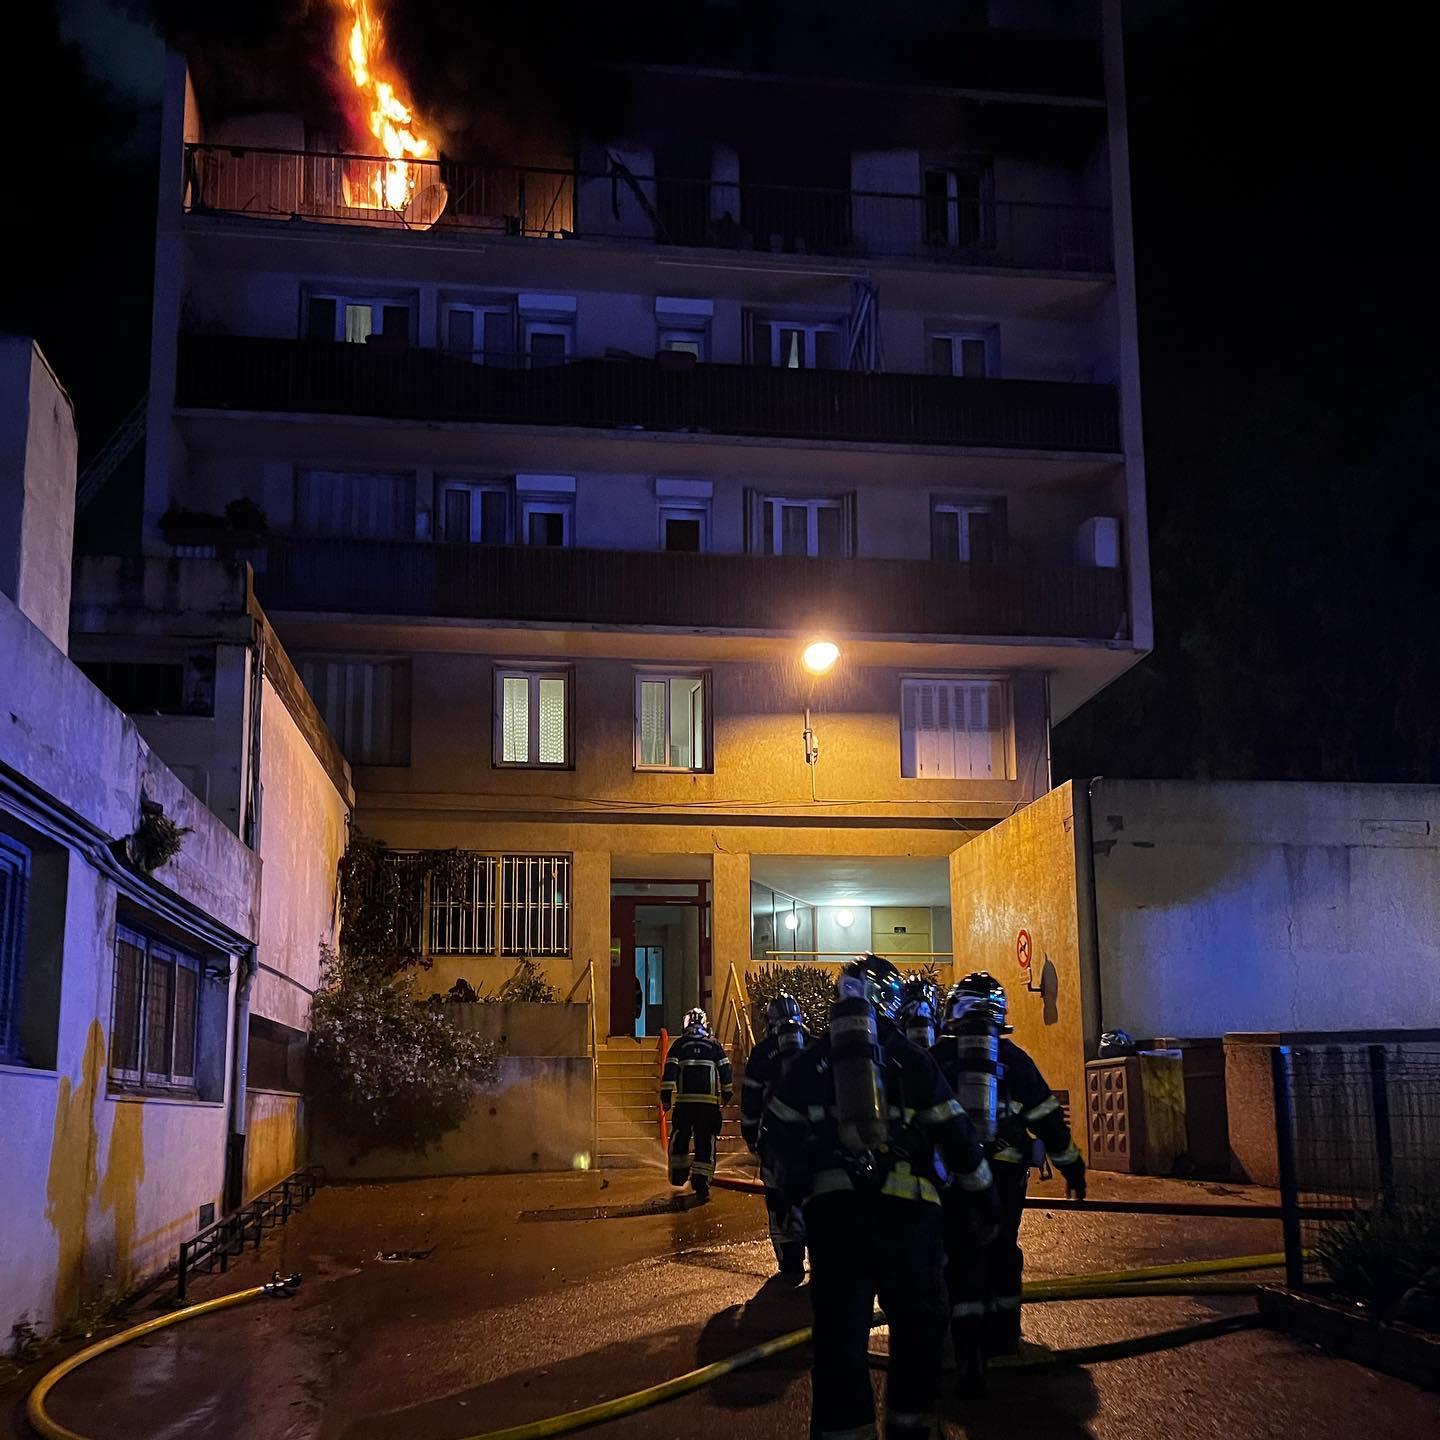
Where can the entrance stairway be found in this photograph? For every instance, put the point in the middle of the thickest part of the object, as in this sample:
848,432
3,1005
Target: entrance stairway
628,1128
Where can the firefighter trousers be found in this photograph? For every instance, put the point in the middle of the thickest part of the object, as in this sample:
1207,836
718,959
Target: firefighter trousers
984,1284
787,1224
699,1123
865,1246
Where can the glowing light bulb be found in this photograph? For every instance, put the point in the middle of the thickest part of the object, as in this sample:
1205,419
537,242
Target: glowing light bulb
844,919
819,656
792,921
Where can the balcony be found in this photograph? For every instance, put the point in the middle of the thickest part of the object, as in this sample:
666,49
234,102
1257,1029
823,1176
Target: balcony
537,585
454,200
230,372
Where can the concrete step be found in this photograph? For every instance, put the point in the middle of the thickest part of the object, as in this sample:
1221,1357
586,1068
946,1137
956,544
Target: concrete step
631,1094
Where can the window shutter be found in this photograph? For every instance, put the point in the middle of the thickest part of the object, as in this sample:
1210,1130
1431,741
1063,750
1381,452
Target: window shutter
759,338
499,337
14,892
320,319
494,517
827,350
460,333
941,355
944,535
972,358
395,325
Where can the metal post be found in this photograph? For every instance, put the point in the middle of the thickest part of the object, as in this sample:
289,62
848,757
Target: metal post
1283,1092
1384,1140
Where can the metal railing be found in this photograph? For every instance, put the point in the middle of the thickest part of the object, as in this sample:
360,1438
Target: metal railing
645,588
213,1248
841,957
733,1012
253,373
458,199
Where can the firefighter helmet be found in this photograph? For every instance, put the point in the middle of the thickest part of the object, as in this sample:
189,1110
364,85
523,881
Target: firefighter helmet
877,980
979,990
921,989
783,1010
696,1022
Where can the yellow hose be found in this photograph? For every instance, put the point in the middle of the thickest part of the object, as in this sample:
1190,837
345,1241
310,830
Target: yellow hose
1105,1284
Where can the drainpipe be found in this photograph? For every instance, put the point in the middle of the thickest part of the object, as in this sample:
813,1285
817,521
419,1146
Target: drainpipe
1089,919
234,1196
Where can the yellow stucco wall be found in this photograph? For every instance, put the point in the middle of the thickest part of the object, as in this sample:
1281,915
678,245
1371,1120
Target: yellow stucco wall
1022,875
275,1138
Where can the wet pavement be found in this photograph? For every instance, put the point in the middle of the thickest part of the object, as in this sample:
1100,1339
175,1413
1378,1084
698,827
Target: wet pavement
441,1309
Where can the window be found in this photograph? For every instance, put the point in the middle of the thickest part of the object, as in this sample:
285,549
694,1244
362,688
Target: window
548,342
671,722
532,717
797,525
954,729
968,353
483,333
475,511
358,320
365,505
687,341
957,205
155,1013
502,904
547,509
965,530
684,526
797,344
14,902
366,704
173,687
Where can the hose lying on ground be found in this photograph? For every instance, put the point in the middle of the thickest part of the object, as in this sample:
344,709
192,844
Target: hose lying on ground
1103,1285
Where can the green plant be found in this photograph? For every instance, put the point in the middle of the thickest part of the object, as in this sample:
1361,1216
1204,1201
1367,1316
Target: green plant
813,987
388,1071
525,984
1378,1255
246,517
157,839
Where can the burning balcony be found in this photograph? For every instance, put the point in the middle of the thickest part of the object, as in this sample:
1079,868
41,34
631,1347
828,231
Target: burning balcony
224,372
530,584
457,199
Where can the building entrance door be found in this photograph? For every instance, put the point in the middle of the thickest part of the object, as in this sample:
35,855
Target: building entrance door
659,954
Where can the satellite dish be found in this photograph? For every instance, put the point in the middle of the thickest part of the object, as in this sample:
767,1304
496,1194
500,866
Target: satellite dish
425,206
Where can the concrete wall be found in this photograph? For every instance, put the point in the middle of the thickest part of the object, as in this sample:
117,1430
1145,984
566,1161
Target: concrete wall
1255,907
1021,875
99,1185
537,1116
527,1029
275,1141
37,487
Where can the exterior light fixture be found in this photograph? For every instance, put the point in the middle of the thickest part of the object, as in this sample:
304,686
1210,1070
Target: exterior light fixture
792,921
819,656
844,919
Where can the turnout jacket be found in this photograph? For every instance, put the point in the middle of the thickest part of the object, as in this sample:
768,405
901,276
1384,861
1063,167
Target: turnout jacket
1027,1106
924,1117
697,1072
763,1070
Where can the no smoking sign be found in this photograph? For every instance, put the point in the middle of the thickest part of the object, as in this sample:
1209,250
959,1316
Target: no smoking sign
1022,949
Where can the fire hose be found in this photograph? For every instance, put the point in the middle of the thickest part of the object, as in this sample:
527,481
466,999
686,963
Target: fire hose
1145,1281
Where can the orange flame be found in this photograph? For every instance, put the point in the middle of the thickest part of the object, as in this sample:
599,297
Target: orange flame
389,118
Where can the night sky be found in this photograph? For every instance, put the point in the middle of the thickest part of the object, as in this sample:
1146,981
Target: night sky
1286,258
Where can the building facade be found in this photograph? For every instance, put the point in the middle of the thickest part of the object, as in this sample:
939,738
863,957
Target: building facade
566,460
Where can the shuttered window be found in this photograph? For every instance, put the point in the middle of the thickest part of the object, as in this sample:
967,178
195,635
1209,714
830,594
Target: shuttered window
154,1012
367,505
366,704
484,334
14,902
954,729
532,717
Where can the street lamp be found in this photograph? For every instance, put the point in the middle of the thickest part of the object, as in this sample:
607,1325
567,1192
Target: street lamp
818,657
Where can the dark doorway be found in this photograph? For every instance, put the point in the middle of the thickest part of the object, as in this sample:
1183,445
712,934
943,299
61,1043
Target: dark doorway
659,953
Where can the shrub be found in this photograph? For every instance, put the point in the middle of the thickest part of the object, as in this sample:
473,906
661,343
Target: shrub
157,839
525,984
813,987
388,1071
1378,1255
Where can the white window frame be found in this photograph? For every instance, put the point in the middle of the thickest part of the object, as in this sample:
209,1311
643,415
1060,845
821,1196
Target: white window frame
376,304
144,1074
984,203
994,690
532,675
812,504
705,729
563,506
15,869
475,489
531,328
964,508
686,510
808,329
957,338
478,309
683,337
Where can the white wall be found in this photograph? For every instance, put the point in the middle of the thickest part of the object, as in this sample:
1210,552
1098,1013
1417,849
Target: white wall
830,935
1226,907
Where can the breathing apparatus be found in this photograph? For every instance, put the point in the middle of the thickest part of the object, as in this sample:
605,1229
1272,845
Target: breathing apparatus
868,991
975,1012
786,1022
696,1022
920,1005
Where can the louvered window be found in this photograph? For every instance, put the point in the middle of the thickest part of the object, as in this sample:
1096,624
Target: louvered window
365,505
954,729
532,717
366,704
14,902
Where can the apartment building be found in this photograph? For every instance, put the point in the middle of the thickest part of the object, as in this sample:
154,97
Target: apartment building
564,462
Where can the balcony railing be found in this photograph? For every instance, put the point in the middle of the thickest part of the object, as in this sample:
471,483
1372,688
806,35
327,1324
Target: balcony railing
457,199
321,378
728,592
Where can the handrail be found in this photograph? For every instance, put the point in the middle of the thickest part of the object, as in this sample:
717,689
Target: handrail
664,1114
594,1058
858,954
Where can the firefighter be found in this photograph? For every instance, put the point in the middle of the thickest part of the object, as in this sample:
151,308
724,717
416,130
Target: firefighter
696,1083
857,1120
920,1011
1011,1108
785,1038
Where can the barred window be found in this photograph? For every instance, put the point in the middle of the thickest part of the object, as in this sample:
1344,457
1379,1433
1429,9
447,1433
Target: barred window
504,905
154,1013
14,896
